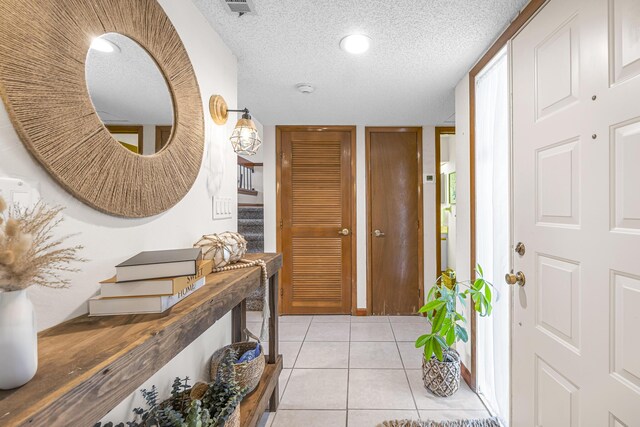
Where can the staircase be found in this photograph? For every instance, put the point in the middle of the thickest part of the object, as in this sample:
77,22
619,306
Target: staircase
251,226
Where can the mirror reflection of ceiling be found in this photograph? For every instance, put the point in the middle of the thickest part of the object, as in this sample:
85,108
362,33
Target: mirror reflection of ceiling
126,85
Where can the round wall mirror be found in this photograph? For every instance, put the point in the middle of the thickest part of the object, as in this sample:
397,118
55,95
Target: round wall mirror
99,65
129,93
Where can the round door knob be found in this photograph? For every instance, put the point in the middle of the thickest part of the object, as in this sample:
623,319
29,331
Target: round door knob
378,233
518,278
344,232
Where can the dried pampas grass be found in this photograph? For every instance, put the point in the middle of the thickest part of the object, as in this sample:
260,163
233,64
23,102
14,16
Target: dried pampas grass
29,252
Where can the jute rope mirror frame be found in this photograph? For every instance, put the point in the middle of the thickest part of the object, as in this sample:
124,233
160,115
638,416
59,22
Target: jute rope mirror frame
43,49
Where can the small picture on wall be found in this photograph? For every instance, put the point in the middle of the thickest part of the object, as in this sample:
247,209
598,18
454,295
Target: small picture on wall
452,188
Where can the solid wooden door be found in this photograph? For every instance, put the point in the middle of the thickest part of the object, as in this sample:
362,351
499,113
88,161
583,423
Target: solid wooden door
576,151
395,209
317,211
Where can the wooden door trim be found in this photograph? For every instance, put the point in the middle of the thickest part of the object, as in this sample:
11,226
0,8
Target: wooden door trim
159,130
439,132
518,23
132,129
354,228
368,131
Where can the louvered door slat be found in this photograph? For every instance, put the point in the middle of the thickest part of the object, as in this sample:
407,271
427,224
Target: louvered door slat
316,204
310,255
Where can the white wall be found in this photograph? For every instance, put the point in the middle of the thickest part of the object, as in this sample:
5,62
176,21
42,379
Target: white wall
269,186
269,179
109,240
463,230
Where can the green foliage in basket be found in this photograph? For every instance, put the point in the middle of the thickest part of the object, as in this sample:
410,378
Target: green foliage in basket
447,324
212,409
224,394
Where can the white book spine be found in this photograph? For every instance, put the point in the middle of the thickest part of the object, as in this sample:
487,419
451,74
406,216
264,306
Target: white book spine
170,301
135,305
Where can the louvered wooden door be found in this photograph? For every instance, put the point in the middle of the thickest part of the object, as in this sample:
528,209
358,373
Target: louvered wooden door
316,211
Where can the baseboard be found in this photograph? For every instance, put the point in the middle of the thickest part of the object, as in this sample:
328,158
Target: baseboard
466,375
361,311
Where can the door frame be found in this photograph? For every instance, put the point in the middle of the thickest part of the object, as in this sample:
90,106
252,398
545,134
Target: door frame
130,129
279,158
368,130
512,30
449,130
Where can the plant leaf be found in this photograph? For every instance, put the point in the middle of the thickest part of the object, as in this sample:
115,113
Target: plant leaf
487,292
451,336
437,349
441,341
462,333
461,298
437,323
431,305
428,348
479,269
422,340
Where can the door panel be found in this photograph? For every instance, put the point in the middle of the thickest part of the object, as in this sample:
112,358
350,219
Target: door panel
624,21
576,185
395,206
316,203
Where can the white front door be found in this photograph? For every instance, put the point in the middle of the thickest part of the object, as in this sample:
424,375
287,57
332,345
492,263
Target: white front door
576,181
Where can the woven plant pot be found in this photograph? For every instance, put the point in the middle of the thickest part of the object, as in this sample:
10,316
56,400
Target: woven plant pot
247,374
442,378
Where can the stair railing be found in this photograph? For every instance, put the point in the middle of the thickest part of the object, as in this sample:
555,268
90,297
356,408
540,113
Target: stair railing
246,169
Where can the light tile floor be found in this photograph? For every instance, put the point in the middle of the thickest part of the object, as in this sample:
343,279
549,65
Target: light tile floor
358,372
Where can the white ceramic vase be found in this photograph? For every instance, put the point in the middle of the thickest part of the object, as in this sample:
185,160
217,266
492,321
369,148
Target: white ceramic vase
18,339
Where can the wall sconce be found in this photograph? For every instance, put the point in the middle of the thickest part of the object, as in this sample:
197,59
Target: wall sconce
244,138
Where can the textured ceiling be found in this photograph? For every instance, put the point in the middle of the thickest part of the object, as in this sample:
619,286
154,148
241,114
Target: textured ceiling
127,87
420,50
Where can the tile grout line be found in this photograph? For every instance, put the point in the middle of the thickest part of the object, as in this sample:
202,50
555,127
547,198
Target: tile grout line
346,414
292,369
415,403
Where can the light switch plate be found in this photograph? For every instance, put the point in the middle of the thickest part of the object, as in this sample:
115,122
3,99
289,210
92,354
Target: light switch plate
15,190
429,178
221,207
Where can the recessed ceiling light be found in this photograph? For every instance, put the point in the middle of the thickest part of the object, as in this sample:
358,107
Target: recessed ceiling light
355,43
305,88
103,45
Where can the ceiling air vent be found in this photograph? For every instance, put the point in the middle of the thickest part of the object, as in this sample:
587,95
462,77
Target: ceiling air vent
239,6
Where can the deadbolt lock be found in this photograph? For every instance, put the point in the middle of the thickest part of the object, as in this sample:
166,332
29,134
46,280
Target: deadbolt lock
520,249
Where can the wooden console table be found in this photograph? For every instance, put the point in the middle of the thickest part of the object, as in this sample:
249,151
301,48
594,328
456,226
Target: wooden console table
88,365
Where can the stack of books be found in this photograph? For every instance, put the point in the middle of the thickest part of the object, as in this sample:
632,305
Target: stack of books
151,282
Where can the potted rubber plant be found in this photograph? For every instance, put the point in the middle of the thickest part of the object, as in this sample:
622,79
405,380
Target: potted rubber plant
441,362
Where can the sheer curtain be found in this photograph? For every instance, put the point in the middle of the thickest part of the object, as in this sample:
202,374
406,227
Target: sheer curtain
493,229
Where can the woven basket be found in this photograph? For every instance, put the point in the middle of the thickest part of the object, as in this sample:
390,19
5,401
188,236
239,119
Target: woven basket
234,419
442,378
247,374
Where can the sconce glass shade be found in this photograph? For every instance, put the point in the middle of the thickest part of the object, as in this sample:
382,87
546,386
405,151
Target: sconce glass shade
245,138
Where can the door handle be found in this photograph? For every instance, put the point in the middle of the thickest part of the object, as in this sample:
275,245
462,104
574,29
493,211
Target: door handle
344,232
378,233
518,278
